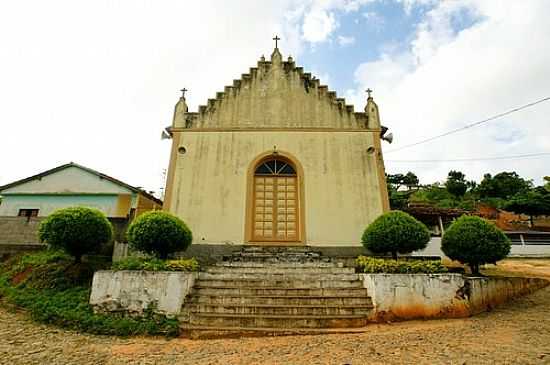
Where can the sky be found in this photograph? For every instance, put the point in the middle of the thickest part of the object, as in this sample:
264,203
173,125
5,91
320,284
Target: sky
95,82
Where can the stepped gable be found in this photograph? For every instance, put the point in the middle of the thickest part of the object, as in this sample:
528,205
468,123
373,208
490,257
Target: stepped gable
276,94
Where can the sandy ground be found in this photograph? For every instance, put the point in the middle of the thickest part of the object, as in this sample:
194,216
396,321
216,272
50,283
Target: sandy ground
515,333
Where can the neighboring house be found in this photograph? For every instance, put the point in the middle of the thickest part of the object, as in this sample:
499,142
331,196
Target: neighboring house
27,201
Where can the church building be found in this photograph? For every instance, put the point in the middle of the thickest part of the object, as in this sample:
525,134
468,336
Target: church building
276,159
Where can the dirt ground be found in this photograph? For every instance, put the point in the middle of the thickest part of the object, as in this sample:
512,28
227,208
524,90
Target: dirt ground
515,333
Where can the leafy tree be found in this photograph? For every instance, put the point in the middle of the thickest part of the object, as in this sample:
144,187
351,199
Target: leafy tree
503,185
410,180
533,203
546,185
396,181
456,183
159,233
395,232
475,241
77,231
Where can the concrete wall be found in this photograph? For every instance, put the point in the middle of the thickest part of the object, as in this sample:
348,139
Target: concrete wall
342,186
434,249
402,296
135,291
18,230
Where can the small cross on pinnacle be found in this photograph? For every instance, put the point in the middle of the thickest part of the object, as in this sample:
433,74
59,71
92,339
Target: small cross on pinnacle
369,91
276,39
183,92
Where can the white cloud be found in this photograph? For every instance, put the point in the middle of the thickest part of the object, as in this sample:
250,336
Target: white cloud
346,41
318,25
446,80
95,82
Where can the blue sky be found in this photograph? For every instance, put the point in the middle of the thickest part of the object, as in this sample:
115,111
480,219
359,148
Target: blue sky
95,82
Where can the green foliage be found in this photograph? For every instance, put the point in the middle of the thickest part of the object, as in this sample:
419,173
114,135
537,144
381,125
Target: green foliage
395,232
159,233
76,230
547,183
475,241
154,264
68,306
395,181
503,185
456,183
374,265
533,203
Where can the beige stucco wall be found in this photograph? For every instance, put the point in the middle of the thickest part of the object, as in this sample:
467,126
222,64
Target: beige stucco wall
341,182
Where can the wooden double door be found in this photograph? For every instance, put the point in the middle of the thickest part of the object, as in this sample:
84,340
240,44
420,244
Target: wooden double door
276,202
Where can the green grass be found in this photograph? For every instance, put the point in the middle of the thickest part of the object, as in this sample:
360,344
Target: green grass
55,290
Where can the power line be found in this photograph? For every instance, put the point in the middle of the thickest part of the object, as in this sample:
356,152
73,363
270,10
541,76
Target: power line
530,155
473,124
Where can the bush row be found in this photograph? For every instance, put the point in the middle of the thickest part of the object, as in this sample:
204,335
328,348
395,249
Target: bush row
373,265
154,264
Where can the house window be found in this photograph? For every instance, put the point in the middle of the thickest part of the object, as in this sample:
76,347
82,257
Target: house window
28,213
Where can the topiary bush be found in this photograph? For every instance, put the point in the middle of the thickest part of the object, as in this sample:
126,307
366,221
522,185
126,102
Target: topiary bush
475,241
395,232
159,233
77,230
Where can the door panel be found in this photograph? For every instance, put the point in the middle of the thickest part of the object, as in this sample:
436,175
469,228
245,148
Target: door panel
275,203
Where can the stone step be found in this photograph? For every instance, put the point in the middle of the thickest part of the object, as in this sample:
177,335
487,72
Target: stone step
231,281
337,300
276,249
269,309
278,270
212,332
276,321
277,291
277,276
276,265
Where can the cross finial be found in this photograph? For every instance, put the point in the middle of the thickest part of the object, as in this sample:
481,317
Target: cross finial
369,91
276,39
183,92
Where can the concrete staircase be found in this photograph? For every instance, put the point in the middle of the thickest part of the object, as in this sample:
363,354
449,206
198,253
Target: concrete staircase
275,290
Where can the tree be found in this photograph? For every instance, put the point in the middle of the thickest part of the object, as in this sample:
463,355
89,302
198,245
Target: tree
475,241
396,181
159,233
395,232
532,203
456,183
410,180
77,231
547,183
503,185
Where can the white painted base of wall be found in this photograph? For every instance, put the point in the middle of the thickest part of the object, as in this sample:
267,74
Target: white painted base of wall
410,296
133,291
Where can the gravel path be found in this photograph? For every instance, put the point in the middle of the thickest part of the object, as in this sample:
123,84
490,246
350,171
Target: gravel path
516,333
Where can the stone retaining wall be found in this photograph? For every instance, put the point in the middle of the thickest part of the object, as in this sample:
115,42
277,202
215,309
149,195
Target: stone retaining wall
133,291
409,296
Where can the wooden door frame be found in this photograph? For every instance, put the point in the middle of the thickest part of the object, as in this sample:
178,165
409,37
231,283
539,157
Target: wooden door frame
300,203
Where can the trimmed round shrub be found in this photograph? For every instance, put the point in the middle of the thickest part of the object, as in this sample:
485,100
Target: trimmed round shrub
77,230
395,232
159,233
475,241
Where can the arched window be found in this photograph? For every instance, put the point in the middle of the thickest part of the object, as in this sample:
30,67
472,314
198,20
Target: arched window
275,167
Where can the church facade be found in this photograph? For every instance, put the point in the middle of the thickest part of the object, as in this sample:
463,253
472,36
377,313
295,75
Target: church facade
276,158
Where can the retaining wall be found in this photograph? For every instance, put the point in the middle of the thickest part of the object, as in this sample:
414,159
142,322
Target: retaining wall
133,291
410,296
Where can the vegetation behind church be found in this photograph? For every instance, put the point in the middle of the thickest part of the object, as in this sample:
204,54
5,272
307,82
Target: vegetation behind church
505,190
